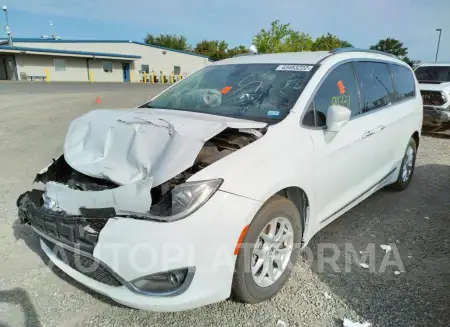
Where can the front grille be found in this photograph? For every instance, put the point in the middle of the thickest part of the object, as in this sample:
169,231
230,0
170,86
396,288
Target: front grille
87,266
433,98
67,229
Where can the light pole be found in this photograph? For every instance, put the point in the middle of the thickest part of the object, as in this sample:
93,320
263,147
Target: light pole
439,41
8,31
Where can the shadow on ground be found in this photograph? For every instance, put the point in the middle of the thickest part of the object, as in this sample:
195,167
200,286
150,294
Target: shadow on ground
19,296
416,221
31,239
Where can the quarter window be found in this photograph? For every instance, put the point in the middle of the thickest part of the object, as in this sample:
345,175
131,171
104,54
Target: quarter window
404,82
107,66
339,88
375,85
59,64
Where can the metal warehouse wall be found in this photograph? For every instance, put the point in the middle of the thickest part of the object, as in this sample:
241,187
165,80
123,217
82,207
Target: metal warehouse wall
34,65
157,59
76,68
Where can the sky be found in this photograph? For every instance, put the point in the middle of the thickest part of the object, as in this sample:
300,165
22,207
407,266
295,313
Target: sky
361,22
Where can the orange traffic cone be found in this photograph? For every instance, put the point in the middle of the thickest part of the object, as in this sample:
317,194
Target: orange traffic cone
97,100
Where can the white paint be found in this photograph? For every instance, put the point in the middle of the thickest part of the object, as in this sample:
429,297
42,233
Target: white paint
336,174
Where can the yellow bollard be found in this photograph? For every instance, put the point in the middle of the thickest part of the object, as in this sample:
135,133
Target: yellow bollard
180,77
162,78
152,77
145,77
91,79
172,78
47,75
131,76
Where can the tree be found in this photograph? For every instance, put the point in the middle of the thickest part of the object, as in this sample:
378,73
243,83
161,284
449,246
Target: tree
215,50
328,42
346,44
281,38
394,47
237,51
174,41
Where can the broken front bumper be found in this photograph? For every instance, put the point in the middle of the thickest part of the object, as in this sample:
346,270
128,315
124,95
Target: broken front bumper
126,249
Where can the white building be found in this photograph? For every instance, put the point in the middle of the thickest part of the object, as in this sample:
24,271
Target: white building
96,60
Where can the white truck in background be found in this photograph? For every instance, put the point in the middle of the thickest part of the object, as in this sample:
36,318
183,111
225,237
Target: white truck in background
434,81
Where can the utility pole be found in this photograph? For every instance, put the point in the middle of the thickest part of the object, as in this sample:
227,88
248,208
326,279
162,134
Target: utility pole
7,29
439,41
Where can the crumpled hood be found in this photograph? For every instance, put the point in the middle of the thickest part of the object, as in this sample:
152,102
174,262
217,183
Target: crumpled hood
126,146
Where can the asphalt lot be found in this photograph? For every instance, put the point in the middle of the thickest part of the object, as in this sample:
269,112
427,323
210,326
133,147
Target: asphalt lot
33,120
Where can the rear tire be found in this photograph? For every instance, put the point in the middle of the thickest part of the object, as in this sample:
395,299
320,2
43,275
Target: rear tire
407,167
268,239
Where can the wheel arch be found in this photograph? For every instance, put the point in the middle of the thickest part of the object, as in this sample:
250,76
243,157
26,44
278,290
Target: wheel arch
300,199
416,138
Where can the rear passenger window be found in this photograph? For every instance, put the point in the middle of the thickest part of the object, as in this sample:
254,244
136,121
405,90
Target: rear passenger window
403,81
375,85
339,88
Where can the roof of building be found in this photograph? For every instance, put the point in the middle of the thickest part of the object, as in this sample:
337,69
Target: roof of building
50,40
46,51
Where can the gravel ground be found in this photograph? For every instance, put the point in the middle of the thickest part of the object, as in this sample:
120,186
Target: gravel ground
33,121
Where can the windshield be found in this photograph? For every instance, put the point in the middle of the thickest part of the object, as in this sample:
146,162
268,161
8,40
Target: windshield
433,73
263,92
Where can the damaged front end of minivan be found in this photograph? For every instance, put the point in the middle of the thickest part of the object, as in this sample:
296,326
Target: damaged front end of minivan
129,164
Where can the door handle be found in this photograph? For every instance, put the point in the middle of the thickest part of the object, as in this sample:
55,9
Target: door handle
373,131
367,134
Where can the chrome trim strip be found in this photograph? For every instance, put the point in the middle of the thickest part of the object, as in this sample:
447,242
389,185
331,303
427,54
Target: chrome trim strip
361,195
131,287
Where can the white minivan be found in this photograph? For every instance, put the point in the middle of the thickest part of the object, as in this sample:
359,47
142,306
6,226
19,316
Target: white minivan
212,187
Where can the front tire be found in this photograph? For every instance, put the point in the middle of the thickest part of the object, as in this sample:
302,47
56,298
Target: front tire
269,251
407,167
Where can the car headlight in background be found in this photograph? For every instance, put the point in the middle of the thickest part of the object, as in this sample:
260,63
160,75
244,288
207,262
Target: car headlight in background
184,199
444,96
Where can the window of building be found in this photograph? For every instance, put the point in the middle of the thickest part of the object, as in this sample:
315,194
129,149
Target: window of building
339,88
145,69
107,66
176,70
59,64
375,85
403,81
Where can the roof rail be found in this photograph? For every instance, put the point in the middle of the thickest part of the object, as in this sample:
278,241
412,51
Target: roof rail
343,50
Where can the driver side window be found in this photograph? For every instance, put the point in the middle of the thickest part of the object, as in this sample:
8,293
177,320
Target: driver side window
339,88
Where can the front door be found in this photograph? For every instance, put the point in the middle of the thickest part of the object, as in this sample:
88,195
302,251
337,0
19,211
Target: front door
344,161
126,72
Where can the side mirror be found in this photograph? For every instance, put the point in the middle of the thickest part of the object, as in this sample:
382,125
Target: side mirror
337,117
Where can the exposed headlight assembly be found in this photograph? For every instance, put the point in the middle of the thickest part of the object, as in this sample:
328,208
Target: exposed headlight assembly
183,200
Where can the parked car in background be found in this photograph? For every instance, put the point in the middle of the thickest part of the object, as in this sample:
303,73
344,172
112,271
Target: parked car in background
434,80
212,187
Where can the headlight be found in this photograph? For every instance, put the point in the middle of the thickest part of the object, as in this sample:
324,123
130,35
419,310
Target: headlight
184,200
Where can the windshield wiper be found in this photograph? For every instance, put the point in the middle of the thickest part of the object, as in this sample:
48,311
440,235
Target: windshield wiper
147,105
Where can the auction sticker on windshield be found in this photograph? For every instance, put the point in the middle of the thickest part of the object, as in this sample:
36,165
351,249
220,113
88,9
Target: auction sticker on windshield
295,68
